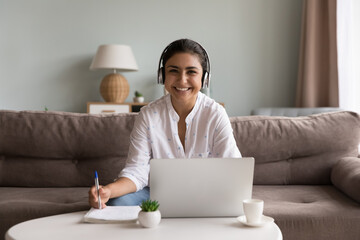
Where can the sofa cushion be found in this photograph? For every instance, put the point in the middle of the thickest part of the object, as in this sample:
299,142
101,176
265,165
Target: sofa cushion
311,212
59,149
345,176
22,204
297,150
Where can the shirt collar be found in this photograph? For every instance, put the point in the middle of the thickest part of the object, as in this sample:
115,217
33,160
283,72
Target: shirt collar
190,116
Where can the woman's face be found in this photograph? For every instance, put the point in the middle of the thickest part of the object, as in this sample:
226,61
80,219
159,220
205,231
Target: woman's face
183,73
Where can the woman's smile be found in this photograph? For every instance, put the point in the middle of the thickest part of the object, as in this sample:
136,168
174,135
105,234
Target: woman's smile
182,89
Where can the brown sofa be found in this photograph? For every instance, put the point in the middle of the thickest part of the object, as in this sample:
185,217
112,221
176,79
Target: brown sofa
307,168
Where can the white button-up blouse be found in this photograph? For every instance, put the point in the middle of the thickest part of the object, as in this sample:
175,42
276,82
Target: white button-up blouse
155,135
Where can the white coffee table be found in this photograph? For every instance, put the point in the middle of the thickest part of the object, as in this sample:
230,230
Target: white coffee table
71,226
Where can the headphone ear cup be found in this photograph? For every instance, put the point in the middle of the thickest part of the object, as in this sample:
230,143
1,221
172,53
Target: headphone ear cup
161,76
206,80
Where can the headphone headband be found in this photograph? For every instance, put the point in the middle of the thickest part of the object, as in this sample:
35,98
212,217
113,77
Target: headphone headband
205,80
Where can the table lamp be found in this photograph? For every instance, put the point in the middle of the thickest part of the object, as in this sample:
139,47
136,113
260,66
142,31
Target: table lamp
114,87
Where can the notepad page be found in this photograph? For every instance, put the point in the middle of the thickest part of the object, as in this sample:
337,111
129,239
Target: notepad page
112,214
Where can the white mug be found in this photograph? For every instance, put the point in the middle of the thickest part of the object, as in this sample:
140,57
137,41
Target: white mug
253,209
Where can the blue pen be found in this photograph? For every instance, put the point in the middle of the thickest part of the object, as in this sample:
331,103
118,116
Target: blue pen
97,189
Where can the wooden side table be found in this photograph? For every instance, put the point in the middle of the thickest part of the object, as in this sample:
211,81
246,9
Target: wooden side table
108,107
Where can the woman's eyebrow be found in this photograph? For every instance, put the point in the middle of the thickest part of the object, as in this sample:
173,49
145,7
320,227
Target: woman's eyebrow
173,66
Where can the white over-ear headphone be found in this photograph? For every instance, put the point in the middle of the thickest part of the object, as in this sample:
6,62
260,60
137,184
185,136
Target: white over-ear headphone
205,80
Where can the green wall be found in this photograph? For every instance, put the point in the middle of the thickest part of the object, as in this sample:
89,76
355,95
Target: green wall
46,48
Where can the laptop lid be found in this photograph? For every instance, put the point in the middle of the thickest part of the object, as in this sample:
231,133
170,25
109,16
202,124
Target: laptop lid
201,187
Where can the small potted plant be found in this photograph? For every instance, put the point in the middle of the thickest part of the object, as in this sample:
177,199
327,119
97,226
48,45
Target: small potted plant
149,216
138,97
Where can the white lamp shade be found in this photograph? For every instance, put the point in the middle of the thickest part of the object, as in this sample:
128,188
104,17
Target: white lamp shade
114,56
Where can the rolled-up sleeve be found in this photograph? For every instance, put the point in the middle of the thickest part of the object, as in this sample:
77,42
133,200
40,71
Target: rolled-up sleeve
138,162
224,144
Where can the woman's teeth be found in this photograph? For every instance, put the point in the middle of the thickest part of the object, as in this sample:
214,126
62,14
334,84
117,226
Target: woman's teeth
182,89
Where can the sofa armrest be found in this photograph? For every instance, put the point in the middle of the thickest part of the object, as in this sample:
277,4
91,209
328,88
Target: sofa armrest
345,176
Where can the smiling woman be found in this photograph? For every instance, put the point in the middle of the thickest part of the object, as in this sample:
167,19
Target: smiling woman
182,124
183,74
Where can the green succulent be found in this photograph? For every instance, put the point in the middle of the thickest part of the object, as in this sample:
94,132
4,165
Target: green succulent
149,205
137,94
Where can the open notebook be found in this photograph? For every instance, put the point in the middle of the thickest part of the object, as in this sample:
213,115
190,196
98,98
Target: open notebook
112,214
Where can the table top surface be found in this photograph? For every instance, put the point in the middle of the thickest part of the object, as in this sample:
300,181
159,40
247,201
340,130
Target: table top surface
72,226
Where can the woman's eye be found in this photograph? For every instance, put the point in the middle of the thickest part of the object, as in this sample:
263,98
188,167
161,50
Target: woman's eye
192,72
173,71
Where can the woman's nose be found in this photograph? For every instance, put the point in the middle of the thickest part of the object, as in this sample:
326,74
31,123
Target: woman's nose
183,77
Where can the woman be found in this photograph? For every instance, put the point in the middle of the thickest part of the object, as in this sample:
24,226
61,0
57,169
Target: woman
183,124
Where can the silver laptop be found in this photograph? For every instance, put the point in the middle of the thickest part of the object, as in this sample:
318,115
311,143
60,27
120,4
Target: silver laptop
201,187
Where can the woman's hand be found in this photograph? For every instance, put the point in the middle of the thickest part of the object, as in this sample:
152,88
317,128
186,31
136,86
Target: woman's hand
105,194
118,188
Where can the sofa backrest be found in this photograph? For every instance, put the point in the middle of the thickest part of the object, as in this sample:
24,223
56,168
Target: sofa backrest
58,149
297,150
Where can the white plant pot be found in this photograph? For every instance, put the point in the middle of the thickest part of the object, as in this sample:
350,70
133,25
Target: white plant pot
149,219
138,99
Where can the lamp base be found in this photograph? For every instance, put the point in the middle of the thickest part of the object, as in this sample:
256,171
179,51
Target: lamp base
114,88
